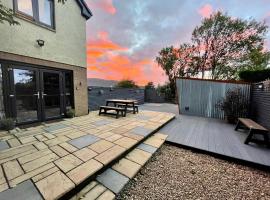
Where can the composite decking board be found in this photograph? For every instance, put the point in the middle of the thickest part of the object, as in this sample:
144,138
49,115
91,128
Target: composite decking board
212,135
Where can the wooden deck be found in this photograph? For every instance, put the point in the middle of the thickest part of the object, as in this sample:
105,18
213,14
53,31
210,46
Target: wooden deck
213,136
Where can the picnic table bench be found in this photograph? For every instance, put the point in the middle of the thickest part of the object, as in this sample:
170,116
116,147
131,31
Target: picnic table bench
125,102
254,128
118,110
136,107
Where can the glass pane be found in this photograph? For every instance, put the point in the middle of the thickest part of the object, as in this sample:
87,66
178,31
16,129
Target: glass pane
52,106
26,101
51,94
51,83
26,108
45,15
25,81
25,6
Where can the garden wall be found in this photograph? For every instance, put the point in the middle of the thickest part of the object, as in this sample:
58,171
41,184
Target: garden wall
97,95
260,106
152,96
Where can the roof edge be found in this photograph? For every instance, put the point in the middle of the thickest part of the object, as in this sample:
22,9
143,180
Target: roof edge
85,11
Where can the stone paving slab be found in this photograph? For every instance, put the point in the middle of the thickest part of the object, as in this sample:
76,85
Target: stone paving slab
3,145
83,141
55,127
64,154
147,148
141,131
112,180
25,190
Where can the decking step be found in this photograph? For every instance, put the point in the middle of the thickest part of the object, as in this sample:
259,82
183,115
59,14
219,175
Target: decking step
109,183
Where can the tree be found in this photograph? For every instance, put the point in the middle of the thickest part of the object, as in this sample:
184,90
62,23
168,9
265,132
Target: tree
166,60
224,43
7,14
257,59
126,83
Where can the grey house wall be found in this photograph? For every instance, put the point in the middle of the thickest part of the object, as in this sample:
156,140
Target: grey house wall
260,106
199,97
97,95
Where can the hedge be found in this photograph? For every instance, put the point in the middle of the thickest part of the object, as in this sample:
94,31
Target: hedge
254,75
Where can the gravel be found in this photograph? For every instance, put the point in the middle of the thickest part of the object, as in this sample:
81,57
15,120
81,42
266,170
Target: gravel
176,173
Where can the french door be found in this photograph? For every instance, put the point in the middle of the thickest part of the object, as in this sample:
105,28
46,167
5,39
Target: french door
35,94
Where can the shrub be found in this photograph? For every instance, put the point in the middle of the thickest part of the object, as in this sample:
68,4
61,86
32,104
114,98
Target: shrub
234,105
254,75
126,84
7,124
167,91
150,85
70,113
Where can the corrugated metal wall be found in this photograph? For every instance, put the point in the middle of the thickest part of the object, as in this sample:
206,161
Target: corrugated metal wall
199,97
260,107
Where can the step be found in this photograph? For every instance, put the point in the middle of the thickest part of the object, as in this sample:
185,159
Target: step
105,187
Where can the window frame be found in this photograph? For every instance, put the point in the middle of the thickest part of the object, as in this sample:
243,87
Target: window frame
35,18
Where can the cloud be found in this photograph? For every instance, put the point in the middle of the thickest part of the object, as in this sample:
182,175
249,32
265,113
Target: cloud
125,34
105,5
109,60
206,10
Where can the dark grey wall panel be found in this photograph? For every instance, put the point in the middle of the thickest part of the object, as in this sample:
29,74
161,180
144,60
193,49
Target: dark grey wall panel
97,95
260,106
152,96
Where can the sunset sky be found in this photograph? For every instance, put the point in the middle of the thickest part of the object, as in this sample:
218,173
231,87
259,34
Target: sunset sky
125,36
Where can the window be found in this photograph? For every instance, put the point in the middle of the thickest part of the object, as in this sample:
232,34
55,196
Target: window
40,11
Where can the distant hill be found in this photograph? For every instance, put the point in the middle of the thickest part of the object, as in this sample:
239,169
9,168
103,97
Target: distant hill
101,82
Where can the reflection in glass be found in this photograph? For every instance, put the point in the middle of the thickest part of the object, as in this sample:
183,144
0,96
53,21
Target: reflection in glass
68,90
45,14
25,6
25,88
51,94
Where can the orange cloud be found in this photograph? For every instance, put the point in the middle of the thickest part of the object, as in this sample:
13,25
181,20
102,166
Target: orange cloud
107,60
106,5
206,10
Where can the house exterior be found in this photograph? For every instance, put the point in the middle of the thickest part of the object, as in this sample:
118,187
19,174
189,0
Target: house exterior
43,60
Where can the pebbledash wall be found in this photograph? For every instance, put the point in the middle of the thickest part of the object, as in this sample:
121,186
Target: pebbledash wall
97,95
260,103
65,47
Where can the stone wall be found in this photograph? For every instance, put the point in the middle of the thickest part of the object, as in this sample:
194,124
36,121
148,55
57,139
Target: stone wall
97,95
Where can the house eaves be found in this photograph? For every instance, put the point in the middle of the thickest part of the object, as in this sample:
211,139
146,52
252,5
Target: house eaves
85,11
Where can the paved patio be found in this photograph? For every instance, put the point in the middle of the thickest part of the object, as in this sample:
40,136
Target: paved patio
49,160
211,135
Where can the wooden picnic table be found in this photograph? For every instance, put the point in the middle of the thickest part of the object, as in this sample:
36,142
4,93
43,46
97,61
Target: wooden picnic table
127,102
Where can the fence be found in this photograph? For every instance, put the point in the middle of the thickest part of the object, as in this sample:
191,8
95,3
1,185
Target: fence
199,97
260,107
97,95
152,96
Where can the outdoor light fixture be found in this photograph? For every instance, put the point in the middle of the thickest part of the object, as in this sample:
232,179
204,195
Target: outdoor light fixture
40,42
260,86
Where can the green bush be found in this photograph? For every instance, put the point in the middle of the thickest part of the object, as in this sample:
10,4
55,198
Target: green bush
7,124
70,113
126,84
255,75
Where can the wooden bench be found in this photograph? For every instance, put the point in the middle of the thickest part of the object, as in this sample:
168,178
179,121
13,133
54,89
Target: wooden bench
254,128
135,107
118,110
